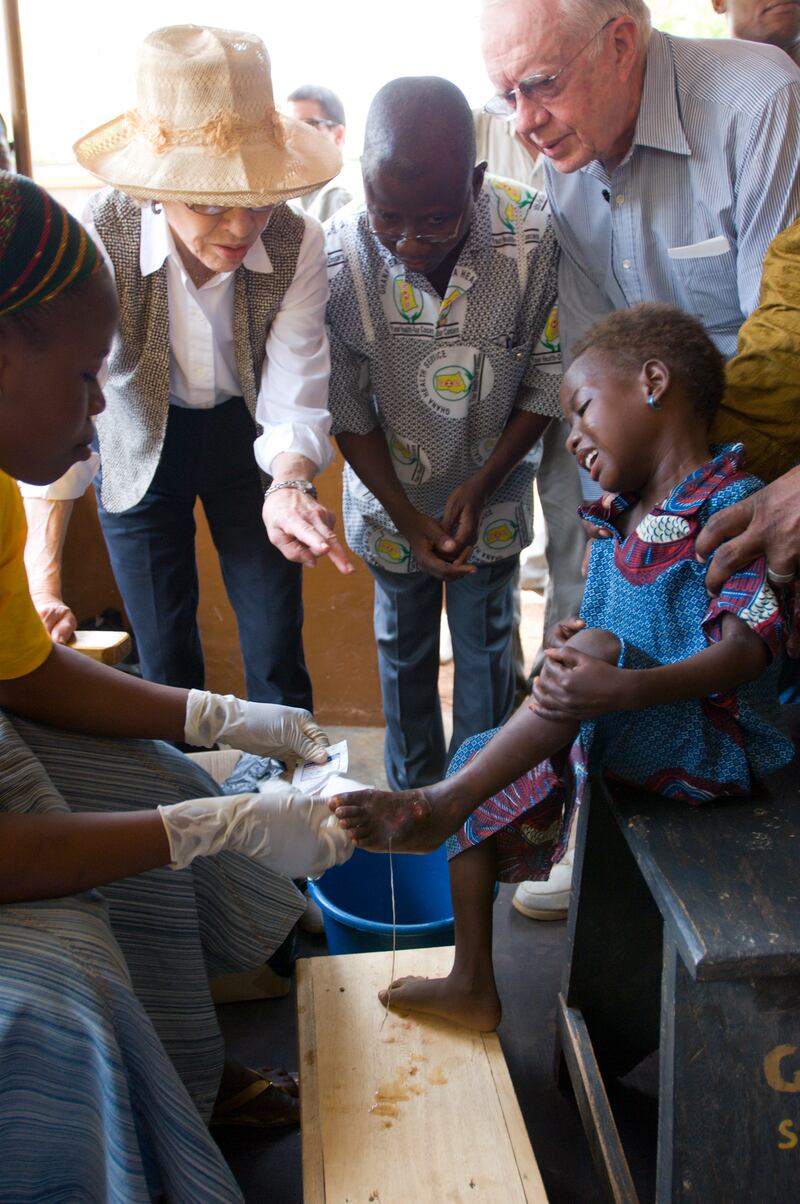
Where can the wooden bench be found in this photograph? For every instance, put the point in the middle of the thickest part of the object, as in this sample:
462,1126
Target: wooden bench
684,936
402,1109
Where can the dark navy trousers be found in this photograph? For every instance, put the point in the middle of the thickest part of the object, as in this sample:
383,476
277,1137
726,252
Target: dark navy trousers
208,454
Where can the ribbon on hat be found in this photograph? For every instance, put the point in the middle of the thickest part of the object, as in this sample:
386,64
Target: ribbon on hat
44,250
221,134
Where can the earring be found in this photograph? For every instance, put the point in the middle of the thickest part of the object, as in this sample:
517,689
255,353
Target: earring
155,207
653,401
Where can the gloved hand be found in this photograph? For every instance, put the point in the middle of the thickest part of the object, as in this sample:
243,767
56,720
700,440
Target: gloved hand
281,829
263,728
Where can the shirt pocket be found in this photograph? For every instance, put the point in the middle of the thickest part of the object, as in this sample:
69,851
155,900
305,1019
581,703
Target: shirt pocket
704,276
510,351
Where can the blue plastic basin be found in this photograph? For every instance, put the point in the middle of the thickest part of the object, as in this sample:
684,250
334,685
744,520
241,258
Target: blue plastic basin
356,902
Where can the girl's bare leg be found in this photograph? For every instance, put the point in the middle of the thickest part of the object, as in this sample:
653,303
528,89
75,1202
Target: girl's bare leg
469,994
417,821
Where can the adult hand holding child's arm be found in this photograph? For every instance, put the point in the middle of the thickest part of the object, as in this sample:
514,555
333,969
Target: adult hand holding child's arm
765,524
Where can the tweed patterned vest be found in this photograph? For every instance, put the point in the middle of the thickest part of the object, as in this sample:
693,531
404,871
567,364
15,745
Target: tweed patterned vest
131,430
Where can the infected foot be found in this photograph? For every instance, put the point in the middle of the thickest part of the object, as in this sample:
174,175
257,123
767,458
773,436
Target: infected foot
408,818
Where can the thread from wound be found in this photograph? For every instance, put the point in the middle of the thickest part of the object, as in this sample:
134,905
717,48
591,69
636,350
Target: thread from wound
394,937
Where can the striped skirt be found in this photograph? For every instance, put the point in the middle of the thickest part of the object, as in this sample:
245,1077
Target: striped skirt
110,1052
529,819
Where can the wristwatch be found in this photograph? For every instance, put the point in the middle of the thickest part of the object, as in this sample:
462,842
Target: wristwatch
300,484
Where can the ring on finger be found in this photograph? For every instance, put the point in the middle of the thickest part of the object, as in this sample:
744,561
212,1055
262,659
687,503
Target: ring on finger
780,578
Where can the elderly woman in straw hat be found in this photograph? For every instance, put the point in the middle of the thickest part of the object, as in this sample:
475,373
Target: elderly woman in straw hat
222,291
120,888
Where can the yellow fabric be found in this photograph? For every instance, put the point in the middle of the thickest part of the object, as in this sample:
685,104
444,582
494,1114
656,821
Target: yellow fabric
24,642
762,400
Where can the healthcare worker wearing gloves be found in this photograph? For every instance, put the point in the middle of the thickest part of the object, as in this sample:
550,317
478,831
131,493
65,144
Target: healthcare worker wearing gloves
118,897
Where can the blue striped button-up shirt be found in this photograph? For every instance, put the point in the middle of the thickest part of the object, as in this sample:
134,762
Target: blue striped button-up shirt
686,218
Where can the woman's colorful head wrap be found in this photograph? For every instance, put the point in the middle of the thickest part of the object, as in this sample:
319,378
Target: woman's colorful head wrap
43,249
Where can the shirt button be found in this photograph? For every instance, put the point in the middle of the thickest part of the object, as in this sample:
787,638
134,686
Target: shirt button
626,263
620,199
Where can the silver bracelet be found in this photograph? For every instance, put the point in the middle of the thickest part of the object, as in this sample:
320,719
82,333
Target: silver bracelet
300,484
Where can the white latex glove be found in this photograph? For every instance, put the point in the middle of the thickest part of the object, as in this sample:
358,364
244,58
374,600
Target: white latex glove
281,829
263,728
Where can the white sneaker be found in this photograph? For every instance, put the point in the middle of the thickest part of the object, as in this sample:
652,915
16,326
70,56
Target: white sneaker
546,900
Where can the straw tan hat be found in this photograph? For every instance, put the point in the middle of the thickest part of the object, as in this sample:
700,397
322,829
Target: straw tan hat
205,129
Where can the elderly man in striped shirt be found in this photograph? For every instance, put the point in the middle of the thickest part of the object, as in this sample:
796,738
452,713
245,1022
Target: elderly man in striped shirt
670,165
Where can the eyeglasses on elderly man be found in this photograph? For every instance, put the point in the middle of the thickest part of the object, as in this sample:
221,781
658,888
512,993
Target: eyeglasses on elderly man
536,87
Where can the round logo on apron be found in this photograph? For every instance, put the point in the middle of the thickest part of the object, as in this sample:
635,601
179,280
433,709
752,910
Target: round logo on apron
449,379
550,335
501,532
391,551
480,451
405,306
410,461
510,196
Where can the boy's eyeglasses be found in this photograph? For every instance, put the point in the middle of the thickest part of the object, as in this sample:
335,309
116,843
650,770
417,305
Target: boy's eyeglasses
218,210
534,87
401,235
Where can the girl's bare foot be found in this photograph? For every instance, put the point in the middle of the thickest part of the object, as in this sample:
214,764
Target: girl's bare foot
452,998
410,819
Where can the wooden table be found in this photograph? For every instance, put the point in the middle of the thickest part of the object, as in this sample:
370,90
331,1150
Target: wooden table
684,936
402,1109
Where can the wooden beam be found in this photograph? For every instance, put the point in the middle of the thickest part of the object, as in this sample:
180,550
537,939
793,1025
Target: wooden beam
402,1108
19,104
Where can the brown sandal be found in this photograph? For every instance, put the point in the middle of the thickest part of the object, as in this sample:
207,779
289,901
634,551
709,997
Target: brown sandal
234,1112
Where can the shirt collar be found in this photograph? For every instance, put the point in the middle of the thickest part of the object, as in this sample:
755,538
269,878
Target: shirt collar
156,244
659,123
686,498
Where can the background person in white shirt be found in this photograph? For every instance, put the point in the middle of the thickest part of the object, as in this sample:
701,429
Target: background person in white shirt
322,109
222,296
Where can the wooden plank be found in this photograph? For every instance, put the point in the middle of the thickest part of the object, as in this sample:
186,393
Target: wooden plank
613,924
520,1143
407,1108
313,1171
110,647
598,1119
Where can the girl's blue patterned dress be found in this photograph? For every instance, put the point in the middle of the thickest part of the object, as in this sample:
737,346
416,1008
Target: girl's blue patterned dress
649,590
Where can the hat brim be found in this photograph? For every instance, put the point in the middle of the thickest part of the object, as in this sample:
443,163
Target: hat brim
258,172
